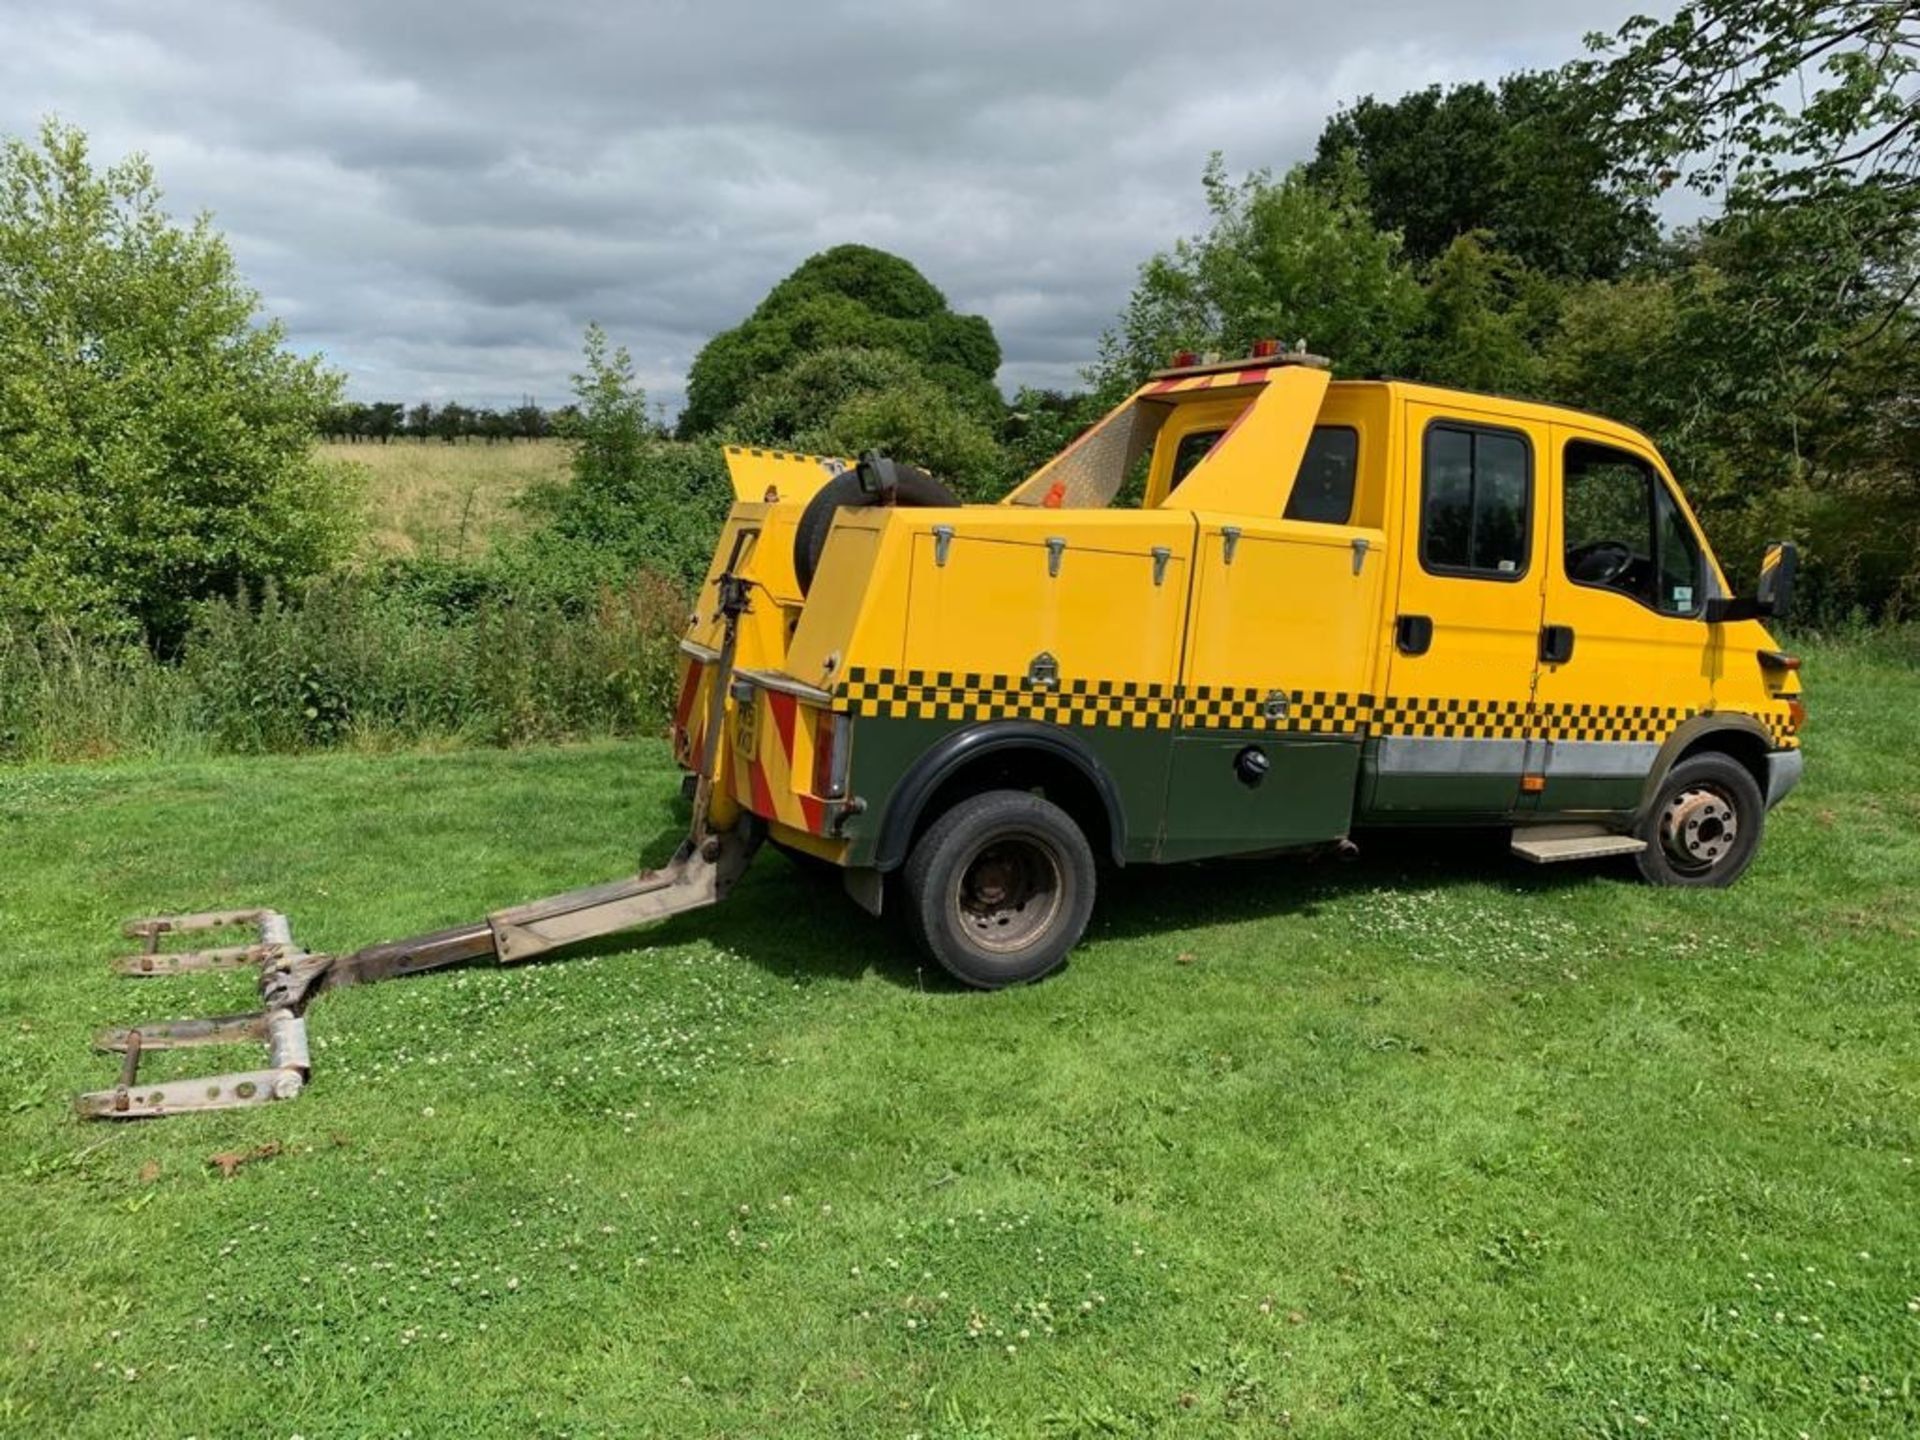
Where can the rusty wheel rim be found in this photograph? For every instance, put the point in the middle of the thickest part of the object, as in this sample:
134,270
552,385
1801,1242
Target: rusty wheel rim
1009,893
1699,828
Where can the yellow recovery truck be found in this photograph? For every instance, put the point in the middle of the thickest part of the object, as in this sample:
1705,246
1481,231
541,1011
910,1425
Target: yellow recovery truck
1335,604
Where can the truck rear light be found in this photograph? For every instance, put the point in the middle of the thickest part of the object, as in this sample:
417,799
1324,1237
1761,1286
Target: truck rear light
1778,660
830,735
1797,712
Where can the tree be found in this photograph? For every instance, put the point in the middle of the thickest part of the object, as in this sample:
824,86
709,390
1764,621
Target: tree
1795,329
155,433
1779,101
846,401
636,501
383,420
1289,259
1785,403
1522,161
849,297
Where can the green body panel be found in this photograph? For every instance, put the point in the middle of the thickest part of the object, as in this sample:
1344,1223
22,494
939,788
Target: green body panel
1588,793
1178,791
1305,798
1404,799
884,750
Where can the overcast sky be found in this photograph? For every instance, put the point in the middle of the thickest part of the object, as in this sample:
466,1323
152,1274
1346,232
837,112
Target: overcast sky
441,196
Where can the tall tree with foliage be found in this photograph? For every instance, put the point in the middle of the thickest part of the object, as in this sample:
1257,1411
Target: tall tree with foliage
155,432
1796,324
1288,259
849,297
1522,161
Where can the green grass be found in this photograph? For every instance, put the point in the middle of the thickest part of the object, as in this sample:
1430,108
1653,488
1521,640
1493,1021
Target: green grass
1432,1143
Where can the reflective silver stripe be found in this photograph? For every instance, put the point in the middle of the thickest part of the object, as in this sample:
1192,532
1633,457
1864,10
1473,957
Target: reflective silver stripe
1430,755
1600,757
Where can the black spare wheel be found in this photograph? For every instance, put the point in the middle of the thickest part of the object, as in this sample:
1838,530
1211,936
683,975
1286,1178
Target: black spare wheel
1000,888
876,480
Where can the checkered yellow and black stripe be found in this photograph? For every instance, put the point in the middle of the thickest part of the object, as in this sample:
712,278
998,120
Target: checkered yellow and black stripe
1619,723
967,697
971,696
1316,712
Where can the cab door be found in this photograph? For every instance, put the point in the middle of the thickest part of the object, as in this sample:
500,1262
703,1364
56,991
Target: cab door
1450,731
1627,655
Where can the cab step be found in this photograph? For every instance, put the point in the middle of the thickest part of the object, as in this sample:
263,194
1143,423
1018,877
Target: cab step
1550,844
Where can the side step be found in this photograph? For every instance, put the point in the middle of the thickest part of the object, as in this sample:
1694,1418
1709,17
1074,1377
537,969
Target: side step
1550,844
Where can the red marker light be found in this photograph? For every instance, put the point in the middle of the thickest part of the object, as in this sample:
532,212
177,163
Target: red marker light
1265,349
1182,359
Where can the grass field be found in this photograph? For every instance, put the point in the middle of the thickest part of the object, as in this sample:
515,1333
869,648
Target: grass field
426,497
1430,1143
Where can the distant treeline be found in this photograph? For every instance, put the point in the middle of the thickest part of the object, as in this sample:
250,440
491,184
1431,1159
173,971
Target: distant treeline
383,420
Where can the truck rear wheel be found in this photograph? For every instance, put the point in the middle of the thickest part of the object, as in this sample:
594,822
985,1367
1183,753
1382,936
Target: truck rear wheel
1000,888
1704,826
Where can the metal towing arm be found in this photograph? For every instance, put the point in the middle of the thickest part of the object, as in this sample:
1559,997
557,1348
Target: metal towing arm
700,873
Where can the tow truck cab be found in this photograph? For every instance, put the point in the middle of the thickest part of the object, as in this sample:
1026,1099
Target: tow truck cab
1332,604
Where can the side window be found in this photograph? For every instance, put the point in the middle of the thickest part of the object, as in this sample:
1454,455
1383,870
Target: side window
1193,449
1476,508
1323,490
1625,533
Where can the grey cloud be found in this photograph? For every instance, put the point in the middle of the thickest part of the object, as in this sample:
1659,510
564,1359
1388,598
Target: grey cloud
441,197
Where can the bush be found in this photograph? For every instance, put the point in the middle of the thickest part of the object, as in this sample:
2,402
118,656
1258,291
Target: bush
348,661
155,436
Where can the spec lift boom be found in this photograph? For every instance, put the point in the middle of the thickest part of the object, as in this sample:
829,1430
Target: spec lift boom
703,869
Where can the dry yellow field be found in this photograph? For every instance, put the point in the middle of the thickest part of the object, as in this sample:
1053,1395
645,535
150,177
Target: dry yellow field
435,499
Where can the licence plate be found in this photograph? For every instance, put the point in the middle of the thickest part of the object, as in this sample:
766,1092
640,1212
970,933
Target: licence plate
745,728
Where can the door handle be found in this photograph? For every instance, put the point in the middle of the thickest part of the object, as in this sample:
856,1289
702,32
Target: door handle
1556,644
1413,634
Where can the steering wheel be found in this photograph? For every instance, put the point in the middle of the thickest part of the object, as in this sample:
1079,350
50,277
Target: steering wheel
1600,562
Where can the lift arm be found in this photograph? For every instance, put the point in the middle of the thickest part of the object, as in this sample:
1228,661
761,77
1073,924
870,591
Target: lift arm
701,872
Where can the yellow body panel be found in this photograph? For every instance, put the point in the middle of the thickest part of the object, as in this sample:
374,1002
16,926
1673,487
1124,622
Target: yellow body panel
1296,608
1003,596
1485,631
1250,471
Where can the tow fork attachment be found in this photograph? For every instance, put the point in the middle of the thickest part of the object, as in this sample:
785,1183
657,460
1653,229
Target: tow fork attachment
280,1029
701,873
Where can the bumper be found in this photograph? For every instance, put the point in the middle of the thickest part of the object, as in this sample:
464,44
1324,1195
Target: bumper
1784,768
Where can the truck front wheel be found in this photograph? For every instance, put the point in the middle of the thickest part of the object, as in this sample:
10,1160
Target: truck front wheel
1704,826
999,888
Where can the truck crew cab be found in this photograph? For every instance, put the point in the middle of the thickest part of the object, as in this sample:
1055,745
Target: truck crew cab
1334,604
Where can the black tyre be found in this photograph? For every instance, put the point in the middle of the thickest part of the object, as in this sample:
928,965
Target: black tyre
1704,826
999,889
913,486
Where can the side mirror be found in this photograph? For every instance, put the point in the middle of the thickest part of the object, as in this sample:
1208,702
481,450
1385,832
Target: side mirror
1777,569
1772,597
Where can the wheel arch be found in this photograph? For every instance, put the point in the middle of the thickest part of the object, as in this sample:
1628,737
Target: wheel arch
1005,754
1739,737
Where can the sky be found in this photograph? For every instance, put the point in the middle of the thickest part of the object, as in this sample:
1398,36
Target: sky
440,197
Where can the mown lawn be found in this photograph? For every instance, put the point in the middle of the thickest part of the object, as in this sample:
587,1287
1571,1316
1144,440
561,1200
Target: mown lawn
1431,1143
